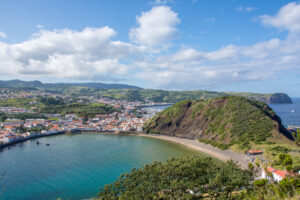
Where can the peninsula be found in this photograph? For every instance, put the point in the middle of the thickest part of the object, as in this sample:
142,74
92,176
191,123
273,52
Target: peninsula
234,123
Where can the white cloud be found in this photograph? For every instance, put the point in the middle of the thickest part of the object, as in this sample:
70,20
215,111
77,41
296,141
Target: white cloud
86,54
192,69
288,18
92,54
3,35
156,26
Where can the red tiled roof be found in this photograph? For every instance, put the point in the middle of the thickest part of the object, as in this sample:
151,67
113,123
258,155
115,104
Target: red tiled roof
270,169
281,173
255,151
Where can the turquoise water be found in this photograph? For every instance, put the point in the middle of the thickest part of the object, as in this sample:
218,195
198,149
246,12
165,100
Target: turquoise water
74,167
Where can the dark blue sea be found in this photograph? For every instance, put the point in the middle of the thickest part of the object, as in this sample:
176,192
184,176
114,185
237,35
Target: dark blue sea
289,113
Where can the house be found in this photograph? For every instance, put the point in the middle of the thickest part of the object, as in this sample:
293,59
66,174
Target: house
3,139
277,175
254,152
30,123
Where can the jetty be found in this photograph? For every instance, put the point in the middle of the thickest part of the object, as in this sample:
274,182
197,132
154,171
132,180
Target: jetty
20,140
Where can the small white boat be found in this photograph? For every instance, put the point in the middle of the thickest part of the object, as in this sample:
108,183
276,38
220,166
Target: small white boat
292,111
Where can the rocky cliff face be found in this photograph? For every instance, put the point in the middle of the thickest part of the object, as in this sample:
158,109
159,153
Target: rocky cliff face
222,122
276,98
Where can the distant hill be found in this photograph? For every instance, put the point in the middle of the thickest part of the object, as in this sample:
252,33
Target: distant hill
134,93
37,84
176,96
222,122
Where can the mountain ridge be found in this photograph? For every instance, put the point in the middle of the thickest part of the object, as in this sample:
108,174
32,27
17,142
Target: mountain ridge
134,93
36,83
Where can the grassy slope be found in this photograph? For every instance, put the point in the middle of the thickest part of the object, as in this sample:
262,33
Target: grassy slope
80,109
228,122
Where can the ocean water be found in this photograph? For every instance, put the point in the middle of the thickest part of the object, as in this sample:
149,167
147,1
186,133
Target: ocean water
289,113
75,166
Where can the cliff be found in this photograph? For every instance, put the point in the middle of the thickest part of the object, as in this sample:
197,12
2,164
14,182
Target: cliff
222,122
276,98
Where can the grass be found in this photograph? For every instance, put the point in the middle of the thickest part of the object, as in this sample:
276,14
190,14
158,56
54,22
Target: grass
232,122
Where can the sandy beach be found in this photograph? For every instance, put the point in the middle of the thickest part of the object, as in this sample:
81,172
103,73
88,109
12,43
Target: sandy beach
223,155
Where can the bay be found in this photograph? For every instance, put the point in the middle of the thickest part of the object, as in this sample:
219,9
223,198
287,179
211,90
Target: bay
75,166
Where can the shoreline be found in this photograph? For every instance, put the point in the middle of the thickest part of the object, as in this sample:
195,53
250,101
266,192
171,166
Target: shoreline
2,146
223,155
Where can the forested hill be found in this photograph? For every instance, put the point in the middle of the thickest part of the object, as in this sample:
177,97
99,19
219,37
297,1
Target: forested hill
134,93
222,122
53,86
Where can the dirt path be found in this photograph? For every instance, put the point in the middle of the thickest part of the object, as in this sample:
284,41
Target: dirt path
223,155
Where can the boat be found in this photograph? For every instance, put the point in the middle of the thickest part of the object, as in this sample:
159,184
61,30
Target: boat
37,142
48,144
292,111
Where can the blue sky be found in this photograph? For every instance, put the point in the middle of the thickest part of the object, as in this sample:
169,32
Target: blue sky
228,45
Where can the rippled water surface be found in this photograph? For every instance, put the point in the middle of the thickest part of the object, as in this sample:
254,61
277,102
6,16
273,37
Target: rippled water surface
74,167
289,113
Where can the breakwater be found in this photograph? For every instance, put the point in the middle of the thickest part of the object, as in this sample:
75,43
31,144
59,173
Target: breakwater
29,138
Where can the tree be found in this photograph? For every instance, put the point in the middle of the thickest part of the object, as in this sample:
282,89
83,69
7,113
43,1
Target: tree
285,160
250,166
86,118
180,178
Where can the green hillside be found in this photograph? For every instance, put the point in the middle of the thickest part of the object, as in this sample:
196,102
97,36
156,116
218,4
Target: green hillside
134,93
230,122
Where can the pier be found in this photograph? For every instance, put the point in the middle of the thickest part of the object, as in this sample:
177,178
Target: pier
2,146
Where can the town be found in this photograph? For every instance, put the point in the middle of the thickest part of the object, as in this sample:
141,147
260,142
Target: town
128,116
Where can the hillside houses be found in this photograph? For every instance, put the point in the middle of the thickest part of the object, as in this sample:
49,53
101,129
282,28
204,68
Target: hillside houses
128,117
273,174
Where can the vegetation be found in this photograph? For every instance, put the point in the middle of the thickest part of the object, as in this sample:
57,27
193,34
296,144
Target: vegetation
177,96
198,178
246,121
80,109
17,102
230,122
288,188
21,116
133,93
181,178
52,105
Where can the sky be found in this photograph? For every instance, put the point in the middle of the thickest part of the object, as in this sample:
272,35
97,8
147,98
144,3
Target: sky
220,45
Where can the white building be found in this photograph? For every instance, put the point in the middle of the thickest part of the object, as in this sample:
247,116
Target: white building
277,175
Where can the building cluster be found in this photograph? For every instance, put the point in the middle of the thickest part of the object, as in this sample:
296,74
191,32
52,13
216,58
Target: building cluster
277,175
19,130
270,173
16,130
129,116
